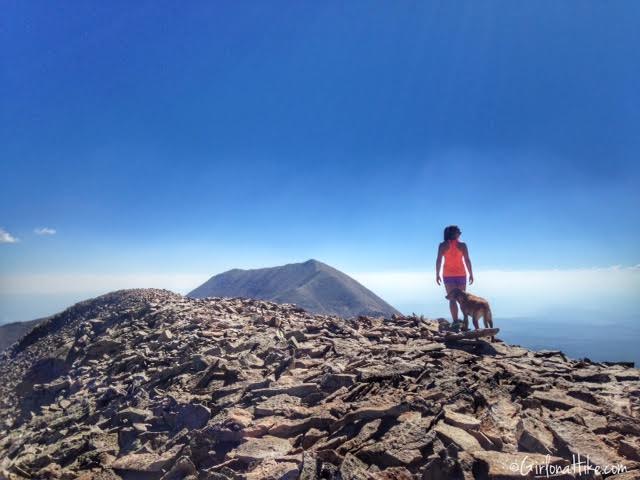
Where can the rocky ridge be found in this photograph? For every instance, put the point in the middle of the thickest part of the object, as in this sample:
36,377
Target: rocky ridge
148,384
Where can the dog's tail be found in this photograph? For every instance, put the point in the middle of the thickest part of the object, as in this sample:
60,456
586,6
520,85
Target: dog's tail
489,317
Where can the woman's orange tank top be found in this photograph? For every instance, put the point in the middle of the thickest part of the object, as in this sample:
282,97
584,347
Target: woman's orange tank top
453,264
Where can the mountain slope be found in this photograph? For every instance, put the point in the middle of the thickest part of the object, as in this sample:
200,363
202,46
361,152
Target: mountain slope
148,384
10,332
312,285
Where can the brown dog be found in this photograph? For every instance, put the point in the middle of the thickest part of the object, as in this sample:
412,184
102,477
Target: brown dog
471,305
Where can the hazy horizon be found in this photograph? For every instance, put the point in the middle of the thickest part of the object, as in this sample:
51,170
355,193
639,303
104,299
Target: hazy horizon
589,328
594,292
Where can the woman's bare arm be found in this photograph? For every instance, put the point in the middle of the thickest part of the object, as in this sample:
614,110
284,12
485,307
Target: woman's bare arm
438,264
467,260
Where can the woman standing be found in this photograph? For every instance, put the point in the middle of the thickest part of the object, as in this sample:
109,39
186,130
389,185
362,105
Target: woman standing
454,274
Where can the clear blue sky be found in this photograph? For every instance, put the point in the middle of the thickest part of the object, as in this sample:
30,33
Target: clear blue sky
196,137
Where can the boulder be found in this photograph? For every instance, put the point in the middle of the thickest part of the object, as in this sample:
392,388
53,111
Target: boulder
460,420
533,436
267,447
141,462
132,415
192,416
457,436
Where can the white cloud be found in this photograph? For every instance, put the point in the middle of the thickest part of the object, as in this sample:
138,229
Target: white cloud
45,231
97,283
6,237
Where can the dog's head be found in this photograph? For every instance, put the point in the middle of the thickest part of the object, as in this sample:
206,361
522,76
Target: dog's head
455,294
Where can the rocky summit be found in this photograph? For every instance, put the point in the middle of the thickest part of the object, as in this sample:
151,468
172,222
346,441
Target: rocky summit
149,384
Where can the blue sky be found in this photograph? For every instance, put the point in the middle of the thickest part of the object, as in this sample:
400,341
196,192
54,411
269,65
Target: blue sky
159,138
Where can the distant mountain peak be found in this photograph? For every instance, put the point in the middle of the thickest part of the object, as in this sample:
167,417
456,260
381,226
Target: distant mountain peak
313,285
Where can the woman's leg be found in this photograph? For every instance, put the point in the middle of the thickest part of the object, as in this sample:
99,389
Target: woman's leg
462,285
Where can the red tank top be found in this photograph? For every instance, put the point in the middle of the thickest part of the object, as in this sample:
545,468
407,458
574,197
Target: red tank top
453,264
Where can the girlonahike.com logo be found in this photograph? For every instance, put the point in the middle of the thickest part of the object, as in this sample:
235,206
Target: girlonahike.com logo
579,465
